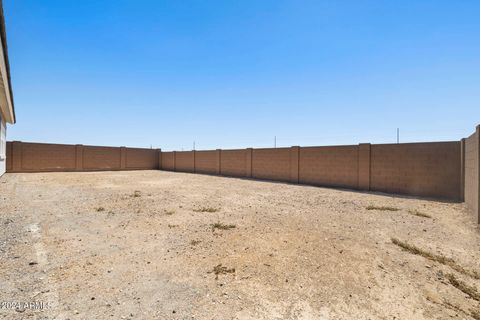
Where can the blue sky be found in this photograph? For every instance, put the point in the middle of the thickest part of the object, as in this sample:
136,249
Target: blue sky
230,74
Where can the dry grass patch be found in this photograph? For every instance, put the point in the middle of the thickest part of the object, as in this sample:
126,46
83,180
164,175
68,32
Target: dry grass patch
221,226
195,242
472,313
475,314
169,212
436,257
206,209
136,194
382,208
219,269
419,214
472,292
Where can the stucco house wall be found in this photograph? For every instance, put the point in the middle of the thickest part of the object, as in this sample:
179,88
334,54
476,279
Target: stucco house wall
3,145
7,111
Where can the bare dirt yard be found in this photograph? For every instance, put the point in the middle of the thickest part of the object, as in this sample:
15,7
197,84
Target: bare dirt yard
163,245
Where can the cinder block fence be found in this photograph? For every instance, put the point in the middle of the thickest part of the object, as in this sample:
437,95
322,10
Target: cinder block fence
47,157
444,170
418,169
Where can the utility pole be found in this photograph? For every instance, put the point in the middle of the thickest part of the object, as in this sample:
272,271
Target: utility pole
275,141
194,145
398,135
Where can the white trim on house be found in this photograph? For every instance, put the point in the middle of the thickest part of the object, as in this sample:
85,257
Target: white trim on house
6,106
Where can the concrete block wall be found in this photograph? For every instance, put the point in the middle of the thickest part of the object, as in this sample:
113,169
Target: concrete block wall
101,158
168,161
233,163
471,159
185,161
446,170
206,162
138,158
46,157
422,169
271,164
329,166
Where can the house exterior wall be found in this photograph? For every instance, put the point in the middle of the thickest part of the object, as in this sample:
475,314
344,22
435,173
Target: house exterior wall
3,146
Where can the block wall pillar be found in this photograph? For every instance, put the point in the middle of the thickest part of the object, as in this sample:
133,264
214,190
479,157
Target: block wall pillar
248,165
159,158
193,162
174,161
16,156
219,161
364,165
78,157
462,169
478,175
123,158
294,164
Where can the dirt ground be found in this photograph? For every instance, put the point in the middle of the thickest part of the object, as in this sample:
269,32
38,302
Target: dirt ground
163,245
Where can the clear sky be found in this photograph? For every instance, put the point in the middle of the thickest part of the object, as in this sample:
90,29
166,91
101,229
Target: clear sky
229,74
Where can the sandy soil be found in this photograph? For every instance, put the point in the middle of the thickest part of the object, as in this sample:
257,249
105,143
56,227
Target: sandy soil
135,245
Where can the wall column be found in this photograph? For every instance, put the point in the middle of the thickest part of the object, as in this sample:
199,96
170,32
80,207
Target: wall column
17,156
248,165
294,164
174,160
364,154
193,160
159,157
123,158
477,217
219,163
78,157
462,170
